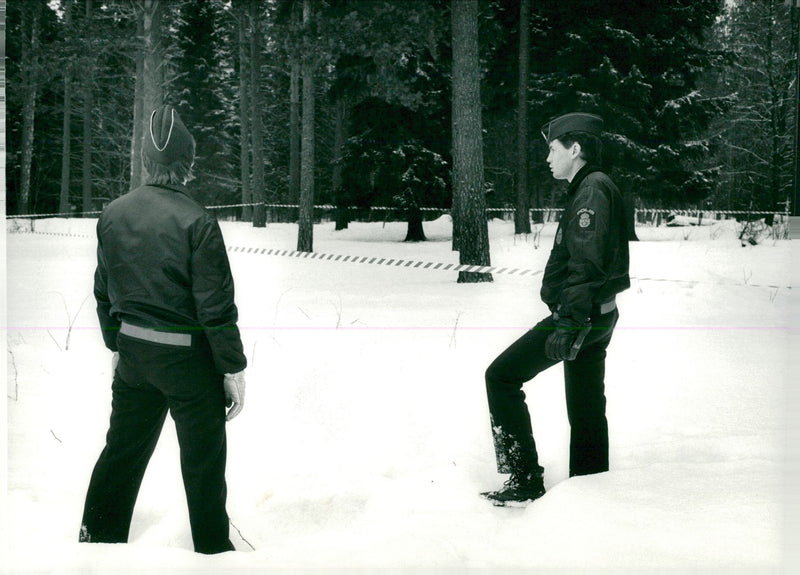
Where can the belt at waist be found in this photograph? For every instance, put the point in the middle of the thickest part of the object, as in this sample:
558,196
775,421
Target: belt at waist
154,336
605,307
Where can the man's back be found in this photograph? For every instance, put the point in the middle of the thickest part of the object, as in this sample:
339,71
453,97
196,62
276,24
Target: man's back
147,238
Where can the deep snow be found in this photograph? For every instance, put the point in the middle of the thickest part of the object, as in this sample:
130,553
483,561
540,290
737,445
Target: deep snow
365,439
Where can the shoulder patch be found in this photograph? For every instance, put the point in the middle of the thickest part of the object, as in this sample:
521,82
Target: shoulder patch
586,219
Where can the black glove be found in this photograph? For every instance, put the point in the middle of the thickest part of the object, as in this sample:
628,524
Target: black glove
566,340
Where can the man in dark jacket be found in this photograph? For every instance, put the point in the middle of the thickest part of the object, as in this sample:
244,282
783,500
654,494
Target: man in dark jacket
165,301
588,266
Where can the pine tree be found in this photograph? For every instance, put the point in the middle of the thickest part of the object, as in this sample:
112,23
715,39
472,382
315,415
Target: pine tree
638,65
66,146
34,125
87,143
305,233
522,221
754,140
203,92
31,14
468,182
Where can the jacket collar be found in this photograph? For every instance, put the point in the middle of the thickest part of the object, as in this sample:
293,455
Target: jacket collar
579,177
181,189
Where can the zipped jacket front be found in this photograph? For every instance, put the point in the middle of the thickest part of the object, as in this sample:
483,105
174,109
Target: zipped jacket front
588,264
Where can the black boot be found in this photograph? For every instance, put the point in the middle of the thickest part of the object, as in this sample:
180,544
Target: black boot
519,490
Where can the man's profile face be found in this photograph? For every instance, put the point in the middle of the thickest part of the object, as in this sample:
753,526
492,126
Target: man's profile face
561,160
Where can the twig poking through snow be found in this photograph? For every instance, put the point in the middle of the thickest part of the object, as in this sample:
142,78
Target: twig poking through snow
338,312
455,327
70,319
16,382
58,345
54,435
277,309
240,534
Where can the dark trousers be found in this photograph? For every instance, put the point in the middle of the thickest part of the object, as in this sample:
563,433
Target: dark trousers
150,380
584,377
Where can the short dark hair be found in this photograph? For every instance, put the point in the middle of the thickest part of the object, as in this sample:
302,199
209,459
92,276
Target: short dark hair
591,145
159,174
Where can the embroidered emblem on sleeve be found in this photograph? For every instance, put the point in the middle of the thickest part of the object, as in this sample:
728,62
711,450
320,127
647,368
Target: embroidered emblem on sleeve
586,219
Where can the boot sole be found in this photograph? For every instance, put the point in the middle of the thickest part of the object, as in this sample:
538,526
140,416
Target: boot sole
514,503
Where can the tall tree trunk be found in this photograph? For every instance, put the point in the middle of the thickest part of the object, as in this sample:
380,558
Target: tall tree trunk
342,209
138,107
30,59
245,115
415,231
305,233
455,215
63,200
294,117
522,221
795,41
88,105
153,72
468,184
256,132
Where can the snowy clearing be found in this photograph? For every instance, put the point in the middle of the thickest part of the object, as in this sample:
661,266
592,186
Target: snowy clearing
365,441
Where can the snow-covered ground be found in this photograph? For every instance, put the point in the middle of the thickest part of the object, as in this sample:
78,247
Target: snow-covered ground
365,441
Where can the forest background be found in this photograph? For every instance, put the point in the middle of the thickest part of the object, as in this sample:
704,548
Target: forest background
401,103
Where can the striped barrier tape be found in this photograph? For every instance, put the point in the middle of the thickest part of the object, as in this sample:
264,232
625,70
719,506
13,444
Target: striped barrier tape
64,234
393,262
415,264
710,213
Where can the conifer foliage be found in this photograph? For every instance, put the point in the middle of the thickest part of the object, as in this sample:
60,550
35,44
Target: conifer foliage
638,64
203,92
699,98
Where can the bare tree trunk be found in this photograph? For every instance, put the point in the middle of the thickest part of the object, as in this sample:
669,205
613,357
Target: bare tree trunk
415,231
522,221
30,59
455,215
305,233
138,108
259,195
153,72
294,118
795,40
245,115
342,211
63,200
468,184
88,105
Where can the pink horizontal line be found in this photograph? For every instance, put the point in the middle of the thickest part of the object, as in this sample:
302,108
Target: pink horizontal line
431,328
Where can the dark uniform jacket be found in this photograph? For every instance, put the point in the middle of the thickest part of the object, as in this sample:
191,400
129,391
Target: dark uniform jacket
588,265
162,264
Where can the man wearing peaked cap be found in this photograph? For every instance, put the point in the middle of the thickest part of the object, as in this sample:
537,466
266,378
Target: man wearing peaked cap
574,122
588,266
165,303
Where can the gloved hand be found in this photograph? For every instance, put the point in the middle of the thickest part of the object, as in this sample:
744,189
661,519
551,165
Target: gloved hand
114,362
234,385
566,340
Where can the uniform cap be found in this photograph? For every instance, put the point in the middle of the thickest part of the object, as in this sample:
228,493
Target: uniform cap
166,139
573,122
